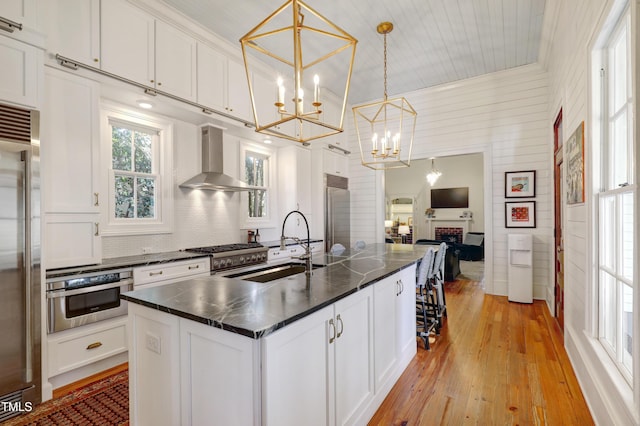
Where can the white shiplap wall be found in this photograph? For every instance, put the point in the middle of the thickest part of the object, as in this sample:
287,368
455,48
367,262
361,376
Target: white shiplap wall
505,116
578,24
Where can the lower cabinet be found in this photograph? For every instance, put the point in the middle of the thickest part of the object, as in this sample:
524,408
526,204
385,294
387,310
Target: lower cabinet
74,348
318,370
394,321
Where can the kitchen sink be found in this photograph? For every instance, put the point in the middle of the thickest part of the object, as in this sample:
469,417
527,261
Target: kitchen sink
271,273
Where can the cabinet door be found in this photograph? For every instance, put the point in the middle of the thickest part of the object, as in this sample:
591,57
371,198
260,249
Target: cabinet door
175,62
354,355
334,163
238,98
218,372
296,367
127,41
70,143
73,29
212,77
406,313
20,11
71,240
384,326
19,82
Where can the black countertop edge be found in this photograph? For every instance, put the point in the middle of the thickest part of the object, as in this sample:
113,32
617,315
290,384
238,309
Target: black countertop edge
125,262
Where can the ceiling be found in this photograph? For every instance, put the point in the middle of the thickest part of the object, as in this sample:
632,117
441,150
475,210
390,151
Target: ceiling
433,41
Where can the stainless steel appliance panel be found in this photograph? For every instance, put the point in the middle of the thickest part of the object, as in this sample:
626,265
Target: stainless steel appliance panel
337,218
20,350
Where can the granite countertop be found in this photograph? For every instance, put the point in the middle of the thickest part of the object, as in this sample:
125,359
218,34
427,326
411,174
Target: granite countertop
257,309
125,262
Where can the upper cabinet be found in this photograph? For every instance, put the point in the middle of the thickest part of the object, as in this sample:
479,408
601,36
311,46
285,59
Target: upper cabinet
21,72
20,11
222,83
136,46
335,163
73,29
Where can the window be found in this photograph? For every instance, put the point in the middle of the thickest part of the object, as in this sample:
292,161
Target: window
137,177
257,169
615,195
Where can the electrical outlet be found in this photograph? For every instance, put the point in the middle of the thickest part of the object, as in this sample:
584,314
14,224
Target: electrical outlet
146,250
153,343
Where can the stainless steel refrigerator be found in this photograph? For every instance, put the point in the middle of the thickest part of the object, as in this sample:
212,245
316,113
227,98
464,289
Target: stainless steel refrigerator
337,216
20,299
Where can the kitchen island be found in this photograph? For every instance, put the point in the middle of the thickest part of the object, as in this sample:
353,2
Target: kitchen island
324,349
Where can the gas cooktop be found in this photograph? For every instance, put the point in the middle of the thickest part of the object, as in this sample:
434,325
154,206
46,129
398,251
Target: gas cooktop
226,247
229,256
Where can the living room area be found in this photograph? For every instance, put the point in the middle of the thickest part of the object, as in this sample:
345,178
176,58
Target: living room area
440,200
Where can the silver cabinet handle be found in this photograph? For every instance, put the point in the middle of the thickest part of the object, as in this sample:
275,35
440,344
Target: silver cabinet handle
397,288
94,345
401,286
341,326
97,202
8,25
151,274
194,267
333,326
97,233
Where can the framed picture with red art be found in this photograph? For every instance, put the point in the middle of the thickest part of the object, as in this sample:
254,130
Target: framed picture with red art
520,214
520,184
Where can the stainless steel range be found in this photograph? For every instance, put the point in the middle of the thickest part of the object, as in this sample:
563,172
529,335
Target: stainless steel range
229,256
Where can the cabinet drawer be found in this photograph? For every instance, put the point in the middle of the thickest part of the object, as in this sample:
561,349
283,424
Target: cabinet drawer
78,348
168,271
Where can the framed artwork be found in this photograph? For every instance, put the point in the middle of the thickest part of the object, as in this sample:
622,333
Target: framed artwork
574,151
520,214
520,184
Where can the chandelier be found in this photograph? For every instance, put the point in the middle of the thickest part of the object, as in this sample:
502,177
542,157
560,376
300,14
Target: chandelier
385,128
434,174
304,48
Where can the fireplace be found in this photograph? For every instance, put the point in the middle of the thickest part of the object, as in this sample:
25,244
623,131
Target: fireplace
450,235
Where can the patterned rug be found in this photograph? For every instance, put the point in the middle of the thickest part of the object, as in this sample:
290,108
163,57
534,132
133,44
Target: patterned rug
105,402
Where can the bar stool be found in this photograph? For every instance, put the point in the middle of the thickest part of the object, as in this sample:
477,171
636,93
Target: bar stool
426,305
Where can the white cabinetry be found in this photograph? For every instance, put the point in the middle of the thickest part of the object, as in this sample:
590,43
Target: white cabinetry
70,149
167,273
21,72
73,29
334,163
294,185
328,354
20,11
136,46
77,347
394,321
222,83
208,373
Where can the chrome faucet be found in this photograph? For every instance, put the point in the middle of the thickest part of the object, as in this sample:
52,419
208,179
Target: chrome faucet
307,255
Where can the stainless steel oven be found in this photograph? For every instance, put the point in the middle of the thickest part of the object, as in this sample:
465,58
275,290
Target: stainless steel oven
77,300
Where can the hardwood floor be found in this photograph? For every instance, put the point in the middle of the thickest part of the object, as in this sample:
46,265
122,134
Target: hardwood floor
495,363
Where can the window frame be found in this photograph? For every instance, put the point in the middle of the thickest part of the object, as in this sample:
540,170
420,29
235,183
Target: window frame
162,171
268,221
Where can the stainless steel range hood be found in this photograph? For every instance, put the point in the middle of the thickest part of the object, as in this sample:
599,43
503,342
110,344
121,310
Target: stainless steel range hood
212,178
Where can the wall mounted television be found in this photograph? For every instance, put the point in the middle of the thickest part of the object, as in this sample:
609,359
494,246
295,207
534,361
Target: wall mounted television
450,198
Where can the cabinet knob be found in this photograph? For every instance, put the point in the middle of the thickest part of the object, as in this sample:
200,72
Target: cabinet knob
96,60
159,84
151,81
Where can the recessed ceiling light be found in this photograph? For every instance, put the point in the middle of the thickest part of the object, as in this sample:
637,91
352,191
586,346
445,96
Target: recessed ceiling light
145,104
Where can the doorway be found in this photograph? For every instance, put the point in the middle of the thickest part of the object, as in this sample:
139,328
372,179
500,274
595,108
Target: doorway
559,220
